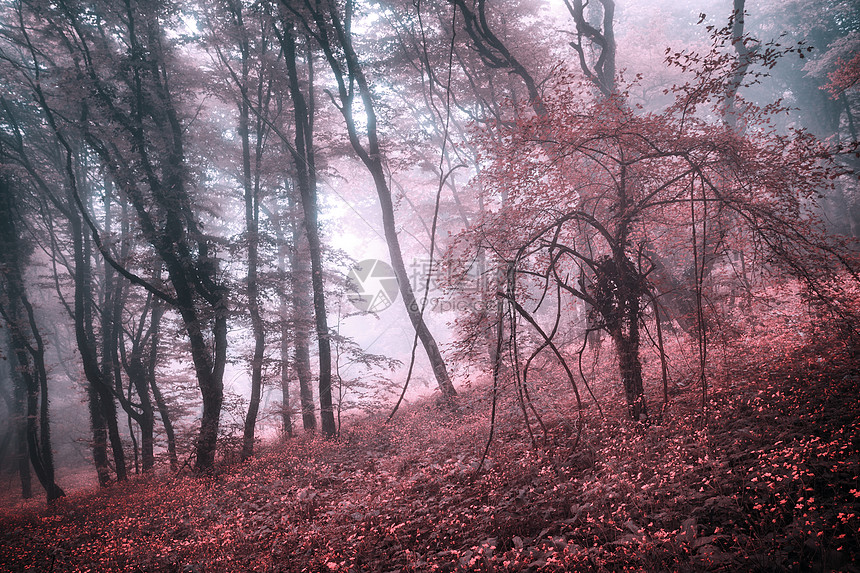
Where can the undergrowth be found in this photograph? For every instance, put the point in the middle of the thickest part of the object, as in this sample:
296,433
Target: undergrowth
765,480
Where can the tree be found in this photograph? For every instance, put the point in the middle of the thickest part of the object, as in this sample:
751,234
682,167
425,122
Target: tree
601,72
139,335
128,111
38,153
596,187
99,374
251,188
330,27
298,254
295,319
13,393
251,40
284,344
306,182
827,39
26,343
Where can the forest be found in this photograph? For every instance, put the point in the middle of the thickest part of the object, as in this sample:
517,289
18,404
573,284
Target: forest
429,285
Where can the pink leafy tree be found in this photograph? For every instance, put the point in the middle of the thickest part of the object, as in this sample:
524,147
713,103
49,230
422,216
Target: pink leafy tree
598,195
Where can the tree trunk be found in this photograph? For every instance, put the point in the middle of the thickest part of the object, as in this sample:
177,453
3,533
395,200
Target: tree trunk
135,367
23,459
630,369
210,373
99,440
135,450
406,293
252,211
349,71
301,288
102,405
152,363
147,421
17,409
110,319
139,382
26,344
306,182
617,291
286,408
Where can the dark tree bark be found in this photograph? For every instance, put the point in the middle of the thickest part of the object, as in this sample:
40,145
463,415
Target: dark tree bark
15,398
28,349
618,290
146,418
331,29
286,405
732,114
303,110
127,113
284,315
98,375
601,72
112,289
135,366
21,441
251,186
300,290
151,365
493,50
99,443
138,363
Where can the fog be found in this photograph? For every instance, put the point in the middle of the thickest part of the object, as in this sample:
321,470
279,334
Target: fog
169,199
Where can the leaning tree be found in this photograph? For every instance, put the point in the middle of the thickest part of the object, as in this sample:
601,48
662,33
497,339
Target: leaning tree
109,74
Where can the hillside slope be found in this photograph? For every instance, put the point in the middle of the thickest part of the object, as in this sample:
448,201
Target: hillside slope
769,483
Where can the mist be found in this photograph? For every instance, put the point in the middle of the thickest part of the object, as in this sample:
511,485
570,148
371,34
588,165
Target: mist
447,236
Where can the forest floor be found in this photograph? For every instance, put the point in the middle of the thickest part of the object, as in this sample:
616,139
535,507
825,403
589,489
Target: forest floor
768,483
